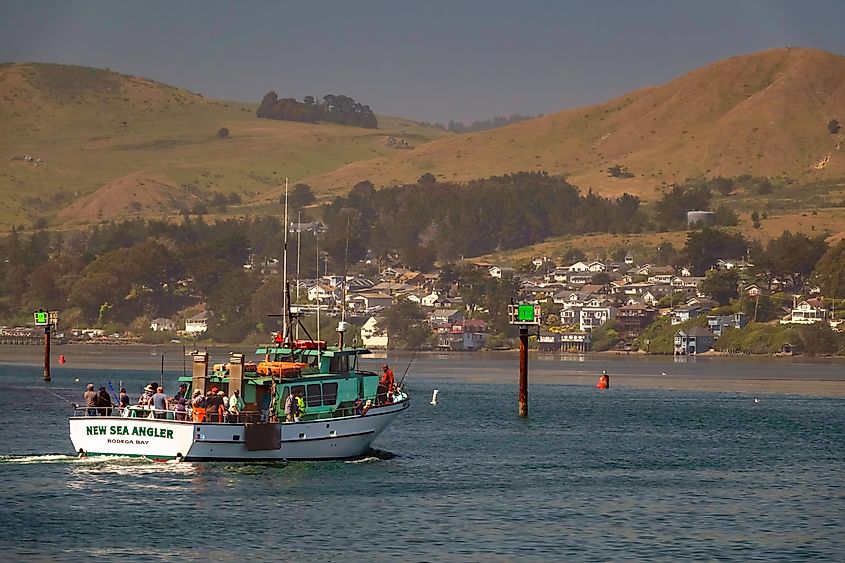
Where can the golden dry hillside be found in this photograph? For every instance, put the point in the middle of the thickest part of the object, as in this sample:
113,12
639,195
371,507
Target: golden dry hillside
82,144
763,114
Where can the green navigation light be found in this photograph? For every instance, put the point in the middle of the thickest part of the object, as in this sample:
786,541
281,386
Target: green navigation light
525,313
41,317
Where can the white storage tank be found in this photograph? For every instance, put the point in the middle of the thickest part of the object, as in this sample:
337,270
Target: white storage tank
700,219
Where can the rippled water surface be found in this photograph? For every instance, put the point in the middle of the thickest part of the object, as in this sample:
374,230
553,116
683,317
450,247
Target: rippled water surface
620,474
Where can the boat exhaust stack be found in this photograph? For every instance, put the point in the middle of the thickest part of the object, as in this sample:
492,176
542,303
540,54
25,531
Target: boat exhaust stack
199,371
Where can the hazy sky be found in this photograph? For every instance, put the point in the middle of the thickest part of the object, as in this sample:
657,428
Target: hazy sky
428,60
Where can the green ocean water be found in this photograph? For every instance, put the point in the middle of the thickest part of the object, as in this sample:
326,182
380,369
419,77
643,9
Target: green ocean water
590,476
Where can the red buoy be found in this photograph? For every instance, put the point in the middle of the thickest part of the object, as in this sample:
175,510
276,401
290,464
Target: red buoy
61,358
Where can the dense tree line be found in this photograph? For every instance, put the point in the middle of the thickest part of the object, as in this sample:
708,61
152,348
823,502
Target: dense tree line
130,272
485,124
431,221
334,109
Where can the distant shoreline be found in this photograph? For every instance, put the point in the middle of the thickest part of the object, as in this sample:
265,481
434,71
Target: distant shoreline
542,367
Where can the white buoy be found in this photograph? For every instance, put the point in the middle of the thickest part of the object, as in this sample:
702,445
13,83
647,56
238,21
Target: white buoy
662,373
756,400
434,397
76,380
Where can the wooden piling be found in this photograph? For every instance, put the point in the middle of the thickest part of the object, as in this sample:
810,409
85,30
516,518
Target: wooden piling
47,353
523,371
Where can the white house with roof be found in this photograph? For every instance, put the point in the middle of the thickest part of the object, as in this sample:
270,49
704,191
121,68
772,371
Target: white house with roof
197,324
323,293
372,335
162,324
499,271
578,267
595,313
806,312
595,266
367,301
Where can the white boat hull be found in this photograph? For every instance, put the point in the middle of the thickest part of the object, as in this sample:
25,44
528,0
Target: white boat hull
331,438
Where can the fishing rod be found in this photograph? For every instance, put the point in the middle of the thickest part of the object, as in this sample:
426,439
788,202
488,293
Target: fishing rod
407,368
76,406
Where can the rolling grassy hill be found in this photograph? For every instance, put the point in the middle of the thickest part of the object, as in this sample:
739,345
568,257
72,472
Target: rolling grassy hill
106,145
764,114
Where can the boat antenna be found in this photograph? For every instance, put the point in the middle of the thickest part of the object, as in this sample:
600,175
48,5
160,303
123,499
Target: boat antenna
298,252
341,327
317,243
285,292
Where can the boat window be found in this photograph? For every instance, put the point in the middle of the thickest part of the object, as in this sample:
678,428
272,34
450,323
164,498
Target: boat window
285,394
339,364
314,398
300,388
329,393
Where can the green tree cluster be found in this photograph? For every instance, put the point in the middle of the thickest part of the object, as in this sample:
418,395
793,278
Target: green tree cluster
335,108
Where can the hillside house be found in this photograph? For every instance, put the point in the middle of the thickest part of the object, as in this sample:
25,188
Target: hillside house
443,317
469,335
695,340
501,271
197,324
595,313
684,313
162,324
634,319
719,323
578,267
806,312
564,342
579,278
373,336
368,301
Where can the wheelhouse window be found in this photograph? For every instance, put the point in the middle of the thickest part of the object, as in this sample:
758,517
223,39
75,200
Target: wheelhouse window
329,393
340,364
314,396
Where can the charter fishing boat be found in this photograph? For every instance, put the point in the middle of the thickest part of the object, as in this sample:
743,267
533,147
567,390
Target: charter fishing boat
345,411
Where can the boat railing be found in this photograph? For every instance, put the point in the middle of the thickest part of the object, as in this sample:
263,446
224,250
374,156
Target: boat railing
170,415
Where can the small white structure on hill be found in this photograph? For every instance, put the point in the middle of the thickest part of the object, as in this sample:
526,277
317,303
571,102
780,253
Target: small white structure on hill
197,323
372,336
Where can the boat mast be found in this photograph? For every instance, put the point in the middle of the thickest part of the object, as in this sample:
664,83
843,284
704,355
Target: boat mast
317,243
298,251
285,296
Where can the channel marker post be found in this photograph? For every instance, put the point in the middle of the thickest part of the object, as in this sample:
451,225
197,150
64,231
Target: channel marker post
523,315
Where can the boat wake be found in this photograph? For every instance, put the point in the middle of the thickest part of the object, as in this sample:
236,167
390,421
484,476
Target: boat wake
373,456
30,459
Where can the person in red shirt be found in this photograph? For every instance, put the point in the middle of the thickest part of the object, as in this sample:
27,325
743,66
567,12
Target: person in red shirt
386,385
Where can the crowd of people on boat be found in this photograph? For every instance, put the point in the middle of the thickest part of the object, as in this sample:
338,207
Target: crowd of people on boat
214,406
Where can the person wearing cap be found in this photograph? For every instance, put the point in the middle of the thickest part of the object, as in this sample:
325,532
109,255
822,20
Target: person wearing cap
146,397
198,406
236,405
90,398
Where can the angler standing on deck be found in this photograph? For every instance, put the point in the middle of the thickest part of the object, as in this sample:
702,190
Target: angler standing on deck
386,384
90,398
